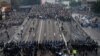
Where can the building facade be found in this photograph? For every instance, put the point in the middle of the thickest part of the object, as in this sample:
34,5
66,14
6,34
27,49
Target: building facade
89,1
8,1
30,2
16,3
51,1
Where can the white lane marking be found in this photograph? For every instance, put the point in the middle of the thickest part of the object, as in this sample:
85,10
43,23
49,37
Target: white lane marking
40,30
54,34
27,32
45,34
27,37
64,39
34,35
60,35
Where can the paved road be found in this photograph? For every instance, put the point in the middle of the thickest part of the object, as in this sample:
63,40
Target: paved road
93,33
48,30
43,30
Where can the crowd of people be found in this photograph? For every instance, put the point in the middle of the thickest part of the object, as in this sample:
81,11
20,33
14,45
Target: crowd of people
54,46
52,11
15,18
83,47
27,48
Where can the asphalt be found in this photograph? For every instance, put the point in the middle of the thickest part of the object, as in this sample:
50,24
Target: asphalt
48,29
92,32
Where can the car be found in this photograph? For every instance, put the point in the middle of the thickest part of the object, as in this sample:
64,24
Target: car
84,21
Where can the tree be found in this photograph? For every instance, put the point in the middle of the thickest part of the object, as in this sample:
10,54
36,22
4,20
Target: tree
96,7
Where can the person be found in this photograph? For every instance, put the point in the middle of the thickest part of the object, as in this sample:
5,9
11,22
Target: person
74,52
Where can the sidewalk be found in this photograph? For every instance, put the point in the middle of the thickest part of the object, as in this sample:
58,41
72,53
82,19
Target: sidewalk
93,33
